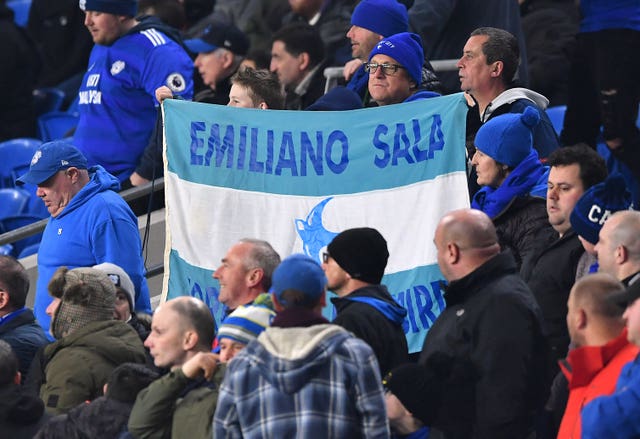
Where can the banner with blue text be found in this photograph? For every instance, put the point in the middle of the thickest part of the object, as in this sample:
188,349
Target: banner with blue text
296,179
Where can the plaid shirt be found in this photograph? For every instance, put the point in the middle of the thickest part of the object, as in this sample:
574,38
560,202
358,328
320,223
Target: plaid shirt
318,381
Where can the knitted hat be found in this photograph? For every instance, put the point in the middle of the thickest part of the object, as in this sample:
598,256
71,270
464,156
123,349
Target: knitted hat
409,383
120,279
219,34
406,49
88,296
361,252
508,138
384,17
298,272
597,204
116,7
50,158
246,323
337,99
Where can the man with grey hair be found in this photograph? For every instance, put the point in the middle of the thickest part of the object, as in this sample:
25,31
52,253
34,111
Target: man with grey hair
245,272
618,246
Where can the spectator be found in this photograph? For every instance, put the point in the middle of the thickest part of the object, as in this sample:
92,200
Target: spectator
354,264
64,44
372,21
256,89
18,326
486,70
245,272
89,343
552,271
297,57
603,88
395,70
599,346
302,377
125,299
405,389
181,403
513,182
105,417
615,416
241,327
492,321
257,59
331,19
592,210
445,25
170,12
90,223
19,69
21,413
129,61
618,247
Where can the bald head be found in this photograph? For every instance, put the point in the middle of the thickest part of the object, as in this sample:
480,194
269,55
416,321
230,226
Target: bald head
465,239
194,314
618,246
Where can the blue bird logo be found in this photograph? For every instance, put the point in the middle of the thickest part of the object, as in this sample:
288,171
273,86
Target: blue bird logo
313,233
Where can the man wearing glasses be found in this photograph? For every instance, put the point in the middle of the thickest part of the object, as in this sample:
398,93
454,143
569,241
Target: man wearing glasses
395,70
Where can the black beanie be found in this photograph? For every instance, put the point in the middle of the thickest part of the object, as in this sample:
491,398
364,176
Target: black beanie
361,252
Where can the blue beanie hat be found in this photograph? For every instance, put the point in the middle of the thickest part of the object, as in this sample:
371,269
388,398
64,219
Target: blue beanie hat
508,138
597,204
116,7
384,17
337,99
406,49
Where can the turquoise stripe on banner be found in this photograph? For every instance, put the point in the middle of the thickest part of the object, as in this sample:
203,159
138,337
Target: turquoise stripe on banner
417,290
293,152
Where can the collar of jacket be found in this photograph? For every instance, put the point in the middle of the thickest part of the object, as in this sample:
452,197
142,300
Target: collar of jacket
459,290
587,361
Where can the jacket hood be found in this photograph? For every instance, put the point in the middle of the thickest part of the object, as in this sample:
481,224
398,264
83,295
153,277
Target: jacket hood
99,181
19,407
114,340
288,358
513,94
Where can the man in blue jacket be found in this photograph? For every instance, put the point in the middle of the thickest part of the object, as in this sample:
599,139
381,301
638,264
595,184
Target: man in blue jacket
90,223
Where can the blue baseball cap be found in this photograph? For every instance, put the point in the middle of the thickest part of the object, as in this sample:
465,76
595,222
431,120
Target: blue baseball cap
50,158
219,35
298,272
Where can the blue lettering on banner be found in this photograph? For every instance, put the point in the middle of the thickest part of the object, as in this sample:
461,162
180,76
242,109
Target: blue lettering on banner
420,302
226,147
405,148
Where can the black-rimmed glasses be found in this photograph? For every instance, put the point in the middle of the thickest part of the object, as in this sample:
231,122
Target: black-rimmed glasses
387,68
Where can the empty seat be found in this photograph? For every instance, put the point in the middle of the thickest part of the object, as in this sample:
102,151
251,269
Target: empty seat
15,158
56,125
47,99
13,202
17,221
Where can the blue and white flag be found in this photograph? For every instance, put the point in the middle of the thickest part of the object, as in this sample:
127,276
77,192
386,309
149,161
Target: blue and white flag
297,178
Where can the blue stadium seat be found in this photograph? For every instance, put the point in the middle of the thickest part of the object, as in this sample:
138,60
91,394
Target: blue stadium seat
56,125
15,157
29,250
17,221
21,11
556,115
46,100
13,202
6,249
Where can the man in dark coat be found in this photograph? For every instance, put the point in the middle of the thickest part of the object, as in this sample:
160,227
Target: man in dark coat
492,322
354,264
18,326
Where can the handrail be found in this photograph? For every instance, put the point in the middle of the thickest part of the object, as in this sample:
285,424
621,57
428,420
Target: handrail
38,226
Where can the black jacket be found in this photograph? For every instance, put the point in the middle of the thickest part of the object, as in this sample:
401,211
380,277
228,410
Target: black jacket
551,275
21,413
493,322
25,336
521,225
386,337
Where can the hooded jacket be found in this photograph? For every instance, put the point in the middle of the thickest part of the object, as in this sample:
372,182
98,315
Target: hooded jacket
316,381
371,314
77,366
516,100
21,413
96,226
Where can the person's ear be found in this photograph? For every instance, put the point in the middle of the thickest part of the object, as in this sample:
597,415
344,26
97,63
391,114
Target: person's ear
305,61
263,106
190,340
